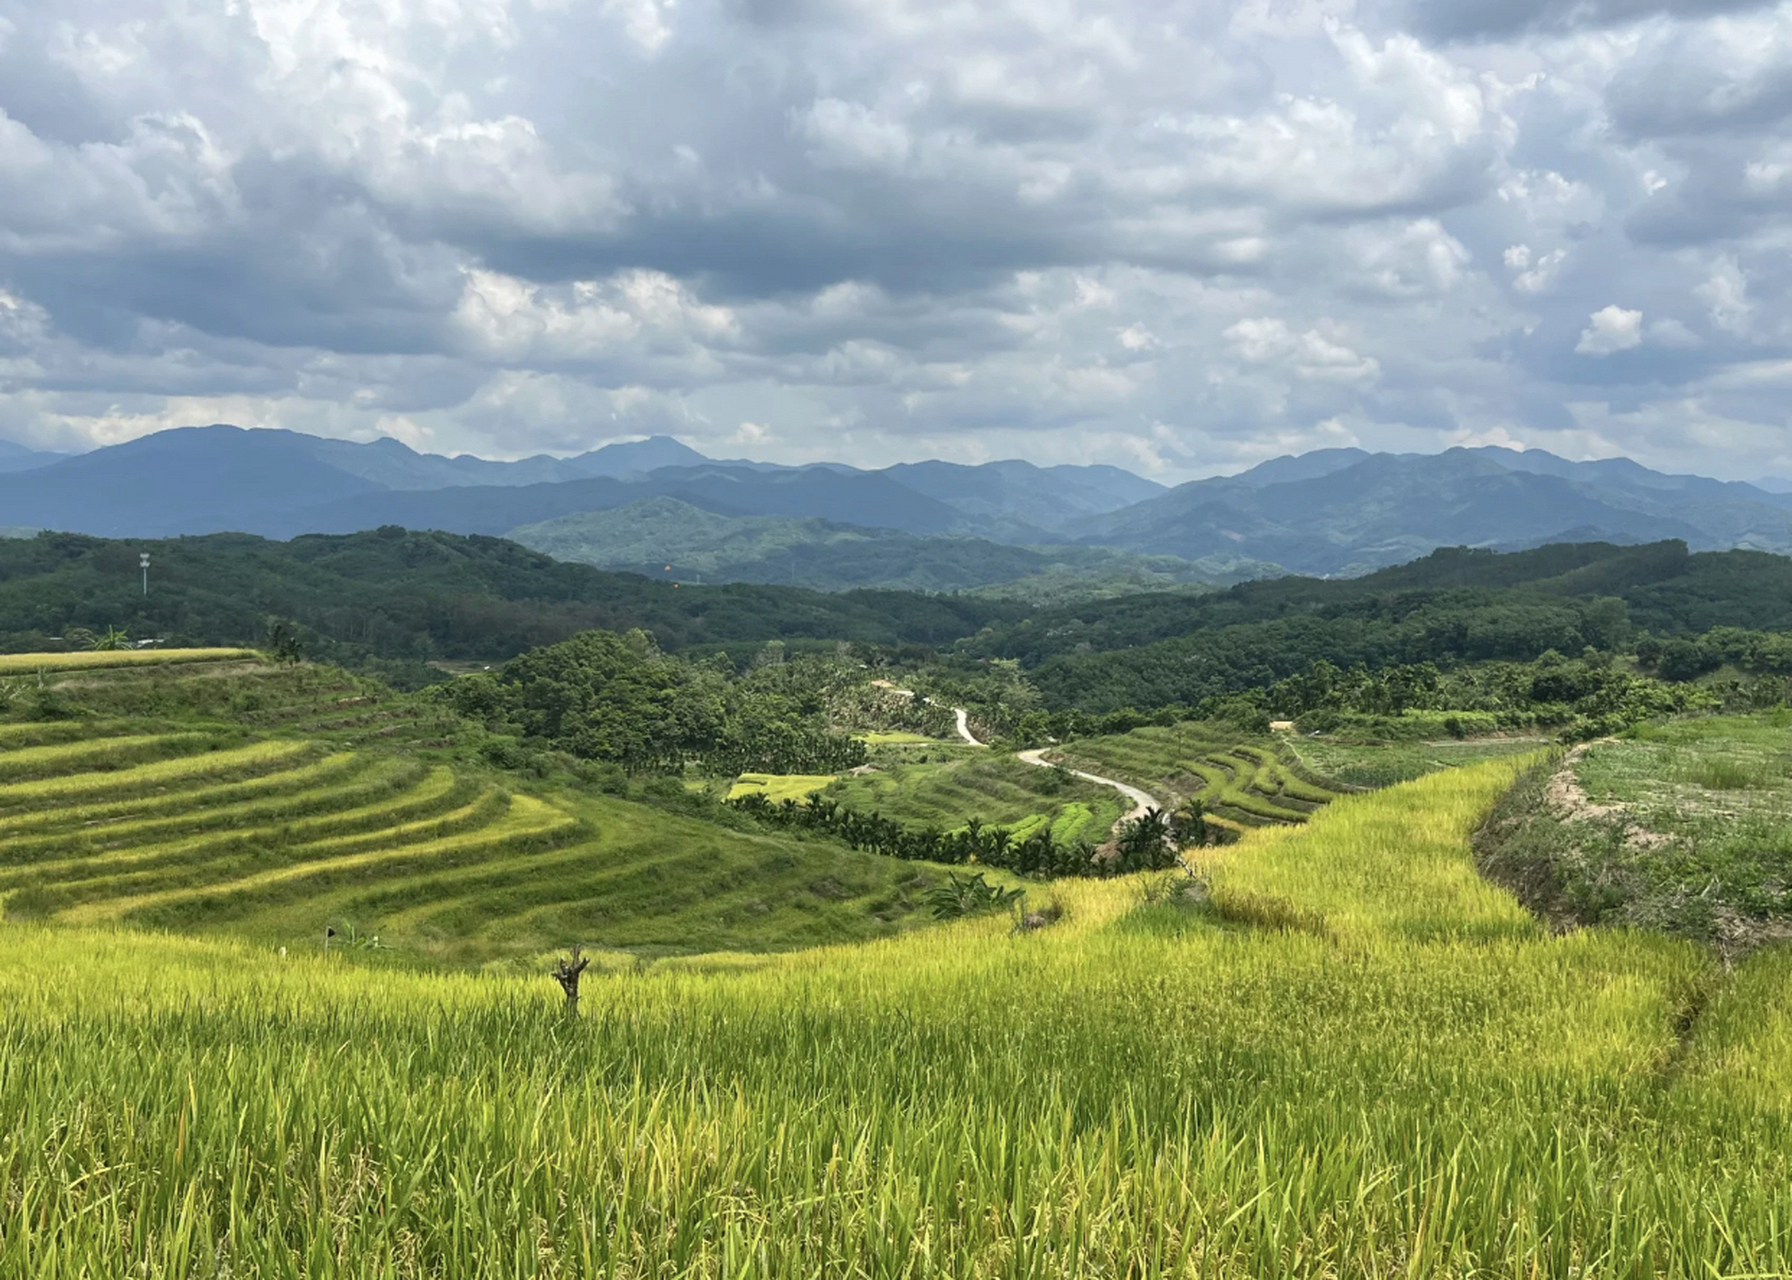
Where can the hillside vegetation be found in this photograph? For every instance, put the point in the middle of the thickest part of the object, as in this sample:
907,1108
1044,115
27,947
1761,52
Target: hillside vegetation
1684,826
1362,1060
1443,616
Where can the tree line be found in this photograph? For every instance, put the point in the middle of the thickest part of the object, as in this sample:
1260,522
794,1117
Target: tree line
1143,845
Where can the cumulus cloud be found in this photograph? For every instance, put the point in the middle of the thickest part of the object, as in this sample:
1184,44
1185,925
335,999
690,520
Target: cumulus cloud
1309,355
1183,237
1610,330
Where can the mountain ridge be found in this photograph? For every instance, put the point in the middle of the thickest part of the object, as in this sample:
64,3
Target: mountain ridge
1333,512
1344,514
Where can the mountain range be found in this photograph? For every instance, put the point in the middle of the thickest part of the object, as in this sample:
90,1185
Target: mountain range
938,524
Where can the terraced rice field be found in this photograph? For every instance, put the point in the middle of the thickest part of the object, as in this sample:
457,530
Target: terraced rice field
1242,784
183,828
1383,764
119,821
999,790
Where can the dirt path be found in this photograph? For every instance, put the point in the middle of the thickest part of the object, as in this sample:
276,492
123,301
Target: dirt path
964,727
1141,800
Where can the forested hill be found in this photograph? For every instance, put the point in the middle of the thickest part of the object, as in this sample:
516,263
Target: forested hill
392,596
399,595
1665,589
1450,607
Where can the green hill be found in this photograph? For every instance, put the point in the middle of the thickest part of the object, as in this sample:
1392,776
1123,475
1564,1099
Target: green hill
665,538
397,596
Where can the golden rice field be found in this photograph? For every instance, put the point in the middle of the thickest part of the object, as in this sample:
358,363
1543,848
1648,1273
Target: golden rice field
1393,1072
25,663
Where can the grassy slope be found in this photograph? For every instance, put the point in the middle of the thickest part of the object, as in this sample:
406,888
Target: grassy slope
1685,826
369,812
1431,1085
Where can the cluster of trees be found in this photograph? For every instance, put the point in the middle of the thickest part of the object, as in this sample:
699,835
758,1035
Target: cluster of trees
1311,663
1143,846
618,699
1689,657
1581,697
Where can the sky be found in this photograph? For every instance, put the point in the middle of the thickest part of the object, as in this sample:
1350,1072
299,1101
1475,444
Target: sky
1176,237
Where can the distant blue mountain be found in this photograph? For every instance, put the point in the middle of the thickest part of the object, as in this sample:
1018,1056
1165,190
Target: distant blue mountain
16,457
281,483
1334,511
1347,511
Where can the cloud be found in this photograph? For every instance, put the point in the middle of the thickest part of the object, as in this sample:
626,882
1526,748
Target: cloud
1465,19
1309,355
1612,329
1079,231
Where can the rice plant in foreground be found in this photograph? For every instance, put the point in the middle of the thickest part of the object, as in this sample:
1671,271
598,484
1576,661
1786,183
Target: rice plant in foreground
1432,1088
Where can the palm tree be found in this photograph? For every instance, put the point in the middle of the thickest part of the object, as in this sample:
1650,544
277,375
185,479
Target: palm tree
1189,823
112,639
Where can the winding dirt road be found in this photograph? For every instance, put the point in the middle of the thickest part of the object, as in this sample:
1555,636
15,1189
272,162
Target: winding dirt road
1141,800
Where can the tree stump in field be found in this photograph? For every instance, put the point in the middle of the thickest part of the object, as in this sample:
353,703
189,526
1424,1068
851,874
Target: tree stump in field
566,973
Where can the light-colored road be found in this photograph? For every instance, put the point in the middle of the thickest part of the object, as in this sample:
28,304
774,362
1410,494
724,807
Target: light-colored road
1141,800
964,726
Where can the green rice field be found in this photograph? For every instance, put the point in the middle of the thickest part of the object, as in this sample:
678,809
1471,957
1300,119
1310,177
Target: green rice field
998,789
795,787
1243,784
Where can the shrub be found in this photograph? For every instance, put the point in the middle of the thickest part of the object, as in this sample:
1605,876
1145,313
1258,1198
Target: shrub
969,895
